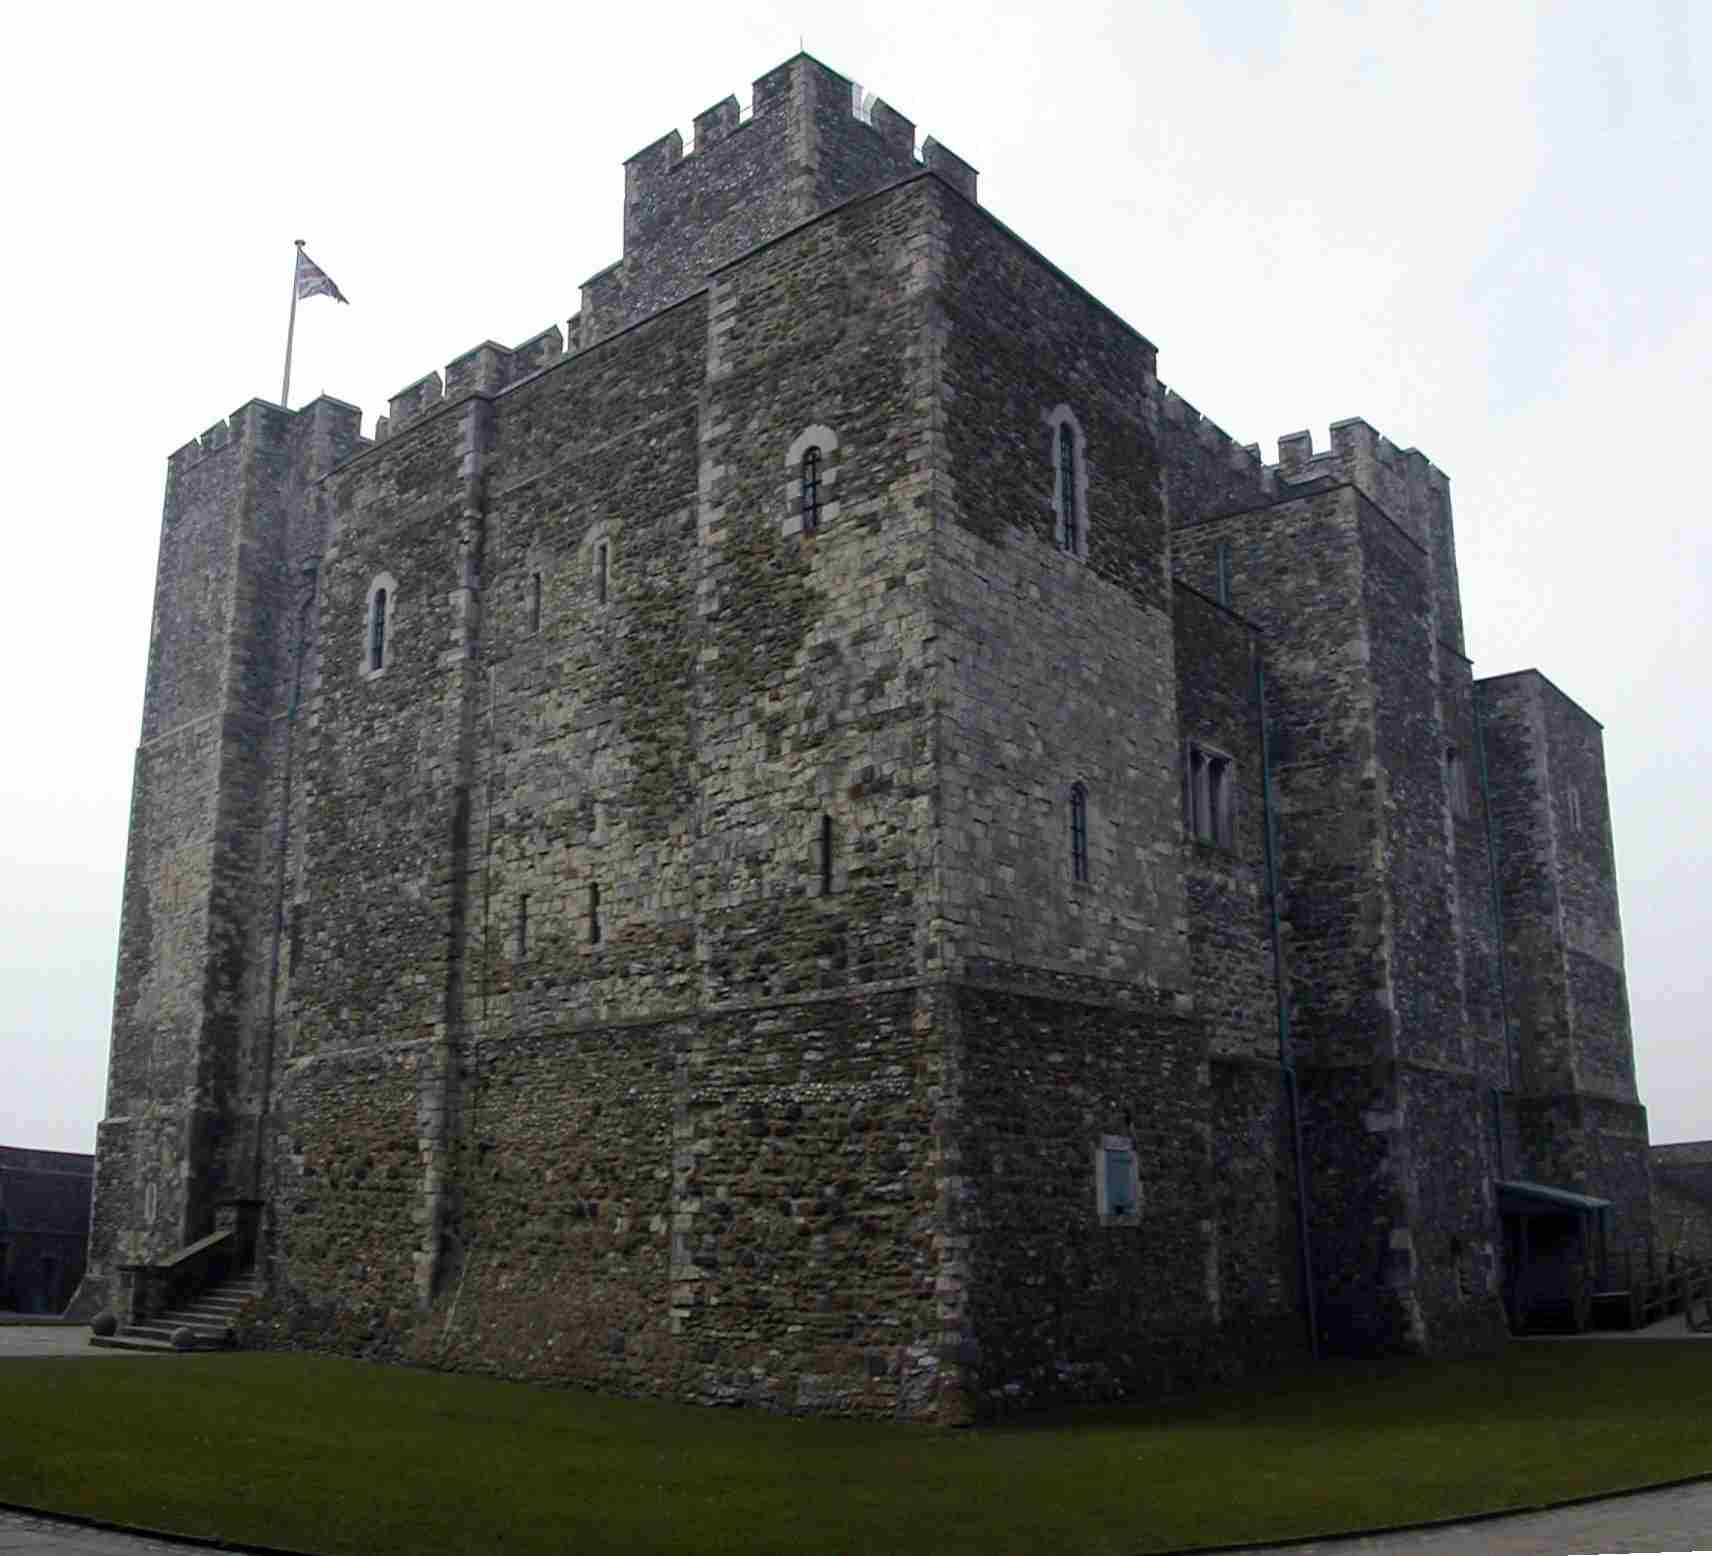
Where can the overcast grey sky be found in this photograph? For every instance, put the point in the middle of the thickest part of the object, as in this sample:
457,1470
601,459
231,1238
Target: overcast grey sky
1483,227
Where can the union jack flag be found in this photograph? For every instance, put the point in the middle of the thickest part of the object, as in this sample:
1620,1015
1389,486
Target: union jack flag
313,281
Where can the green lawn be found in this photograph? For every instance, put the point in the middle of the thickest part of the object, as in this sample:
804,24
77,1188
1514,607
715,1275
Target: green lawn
334,1456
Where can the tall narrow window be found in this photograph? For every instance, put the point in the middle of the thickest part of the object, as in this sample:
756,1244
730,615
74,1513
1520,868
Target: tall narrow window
826,856
377,632
1208,796
1078,832
594,914
601,559
1120,1183
1117,1181
1456,781
522,925
1218,799
1222,556
1574,810
1070,516
810,485
535,603
810,488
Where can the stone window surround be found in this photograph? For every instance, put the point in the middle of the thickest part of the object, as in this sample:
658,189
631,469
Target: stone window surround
1456,782
1209,813
1081,851
368,669
1128,1163
826,440
830,872
601,533
1076,545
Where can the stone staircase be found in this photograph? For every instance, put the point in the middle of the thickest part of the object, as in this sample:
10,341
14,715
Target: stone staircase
209,1317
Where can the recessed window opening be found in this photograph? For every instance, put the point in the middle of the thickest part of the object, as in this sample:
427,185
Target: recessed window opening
810,490
602,559
1456,781
1222,559
1117,1180
1210,784
1078,832
1070,520
377,632
1120,1191
826,856
535,603
593,914
522,925
1574,810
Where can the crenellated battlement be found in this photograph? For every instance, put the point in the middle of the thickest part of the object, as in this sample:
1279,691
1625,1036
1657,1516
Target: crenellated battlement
1244,458
1356,446
779,92
1403,483
484,369
811,140
255,421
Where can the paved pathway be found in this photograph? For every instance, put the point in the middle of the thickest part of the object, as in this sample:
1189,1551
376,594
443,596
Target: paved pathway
1679,1519
52,1340
25,1535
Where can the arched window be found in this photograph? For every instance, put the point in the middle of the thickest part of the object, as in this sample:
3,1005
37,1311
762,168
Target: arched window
1078,832
380,625
1070,527
810,489
812,470
1068,454
377,632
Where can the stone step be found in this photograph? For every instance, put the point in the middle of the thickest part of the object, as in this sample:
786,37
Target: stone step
164,1328
126,1342
161,1334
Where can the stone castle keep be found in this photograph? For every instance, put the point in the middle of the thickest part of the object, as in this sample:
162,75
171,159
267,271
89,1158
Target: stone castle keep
820,838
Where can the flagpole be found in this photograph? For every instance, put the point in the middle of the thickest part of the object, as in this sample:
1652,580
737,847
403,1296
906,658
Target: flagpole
291,328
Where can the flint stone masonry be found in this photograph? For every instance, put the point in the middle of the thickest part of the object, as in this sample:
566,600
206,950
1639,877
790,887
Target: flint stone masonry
668,971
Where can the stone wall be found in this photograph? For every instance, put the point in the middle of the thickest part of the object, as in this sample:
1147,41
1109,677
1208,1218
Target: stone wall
191,1020
1058,669
1682,1199
1224,880
1058,1304
1579,1122
676,686
44,1227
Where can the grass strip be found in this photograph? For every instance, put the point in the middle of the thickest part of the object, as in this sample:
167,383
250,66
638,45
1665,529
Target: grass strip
341,1457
